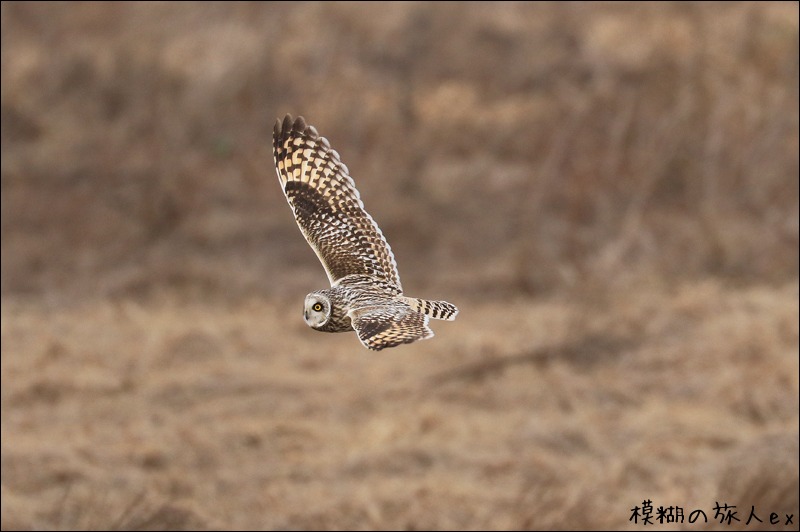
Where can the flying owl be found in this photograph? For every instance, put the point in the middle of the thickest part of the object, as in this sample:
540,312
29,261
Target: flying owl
365,293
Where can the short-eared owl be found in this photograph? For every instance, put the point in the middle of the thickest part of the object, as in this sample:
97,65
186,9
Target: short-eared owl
365,294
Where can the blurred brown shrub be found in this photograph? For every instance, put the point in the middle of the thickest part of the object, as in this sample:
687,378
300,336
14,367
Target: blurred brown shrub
502,147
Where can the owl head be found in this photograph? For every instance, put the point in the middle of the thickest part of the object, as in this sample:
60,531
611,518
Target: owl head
317,310
325,310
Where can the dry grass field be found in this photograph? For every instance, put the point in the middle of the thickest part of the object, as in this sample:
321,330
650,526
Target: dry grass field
608,192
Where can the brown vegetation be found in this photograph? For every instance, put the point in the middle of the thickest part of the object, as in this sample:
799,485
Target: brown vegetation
609,192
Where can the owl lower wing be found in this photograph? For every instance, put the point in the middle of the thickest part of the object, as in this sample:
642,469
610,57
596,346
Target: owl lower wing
327,205
389,326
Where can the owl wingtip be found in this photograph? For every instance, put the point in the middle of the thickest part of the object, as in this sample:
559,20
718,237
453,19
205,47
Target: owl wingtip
297,125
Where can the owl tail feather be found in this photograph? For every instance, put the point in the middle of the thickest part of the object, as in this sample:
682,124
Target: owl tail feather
440,310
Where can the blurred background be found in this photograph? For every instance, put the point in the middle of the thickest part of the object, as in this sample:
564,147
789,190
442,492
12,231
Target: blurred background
608,191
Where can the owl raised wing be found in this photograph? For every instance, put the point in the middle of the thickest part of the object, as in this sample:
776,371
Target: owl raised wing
327,206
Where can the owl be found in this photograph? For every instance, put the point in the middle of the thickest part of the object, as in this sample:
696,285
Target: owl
365,293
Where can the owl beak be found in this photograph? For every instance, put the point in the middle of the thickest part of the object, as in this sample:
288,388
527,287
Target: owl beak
305,315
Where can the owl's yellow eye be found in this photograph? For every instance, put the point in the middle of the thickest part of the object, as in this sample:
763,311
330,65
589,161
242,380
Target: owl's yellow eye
317,307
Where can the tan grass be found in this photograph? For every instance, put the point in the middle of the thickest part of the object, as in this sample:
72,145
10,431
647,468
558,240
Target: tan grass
523,415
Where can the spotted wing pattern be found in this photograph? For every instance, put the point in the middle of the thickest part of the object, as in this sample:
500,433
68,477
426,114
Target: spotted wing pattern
327,205
389,325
